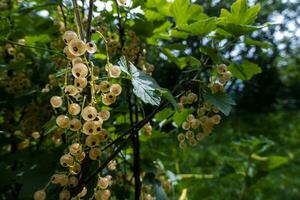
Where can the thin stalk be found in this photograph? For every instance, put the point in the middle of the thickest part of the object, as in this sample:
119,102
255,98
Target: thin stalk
78,19
63,15
89,21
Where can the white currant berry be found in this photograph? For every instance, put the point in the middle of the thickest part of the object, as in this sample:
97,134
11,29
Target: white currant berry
88,127
73,181
68,36
83,192
75,124
74,108
94,153
75,169
103,183
39,195
114,71
91,47
104,86
76,60
60,179
80,82
112,165
68,53
63,121
75,149
116,89
64,195
56,101
102,194
80,70
77,47
185,126
104,114
89,113
181,137
66,160
108,98
71,90
92,140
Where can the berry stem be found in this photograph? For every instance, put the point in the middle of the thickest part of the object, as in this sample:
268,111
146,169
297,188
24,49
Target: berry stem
78,19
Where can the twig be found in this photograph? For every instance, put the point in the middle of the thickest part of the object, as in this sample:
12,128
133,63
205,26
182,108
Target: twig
78,19
89,21
33,47
63,15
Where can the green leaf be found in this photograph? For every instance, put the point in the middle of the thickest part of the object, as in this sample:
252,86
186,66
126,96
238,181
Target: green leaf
237,29
50,125
201,27
4,28
164,114
179,10
180,117
262,44
153,15
168,96
245,71
273,162
221,100
145,87
240,13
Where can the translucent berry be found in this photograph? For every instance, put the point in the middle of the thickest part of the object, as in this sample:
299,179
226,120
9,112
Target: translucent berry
68,53
68,36
56,101
221,68
195,123
80,157
190,117
104,114
80,82
92,140
183,100
75,124
88,128
97,125
75,149
77,47
103,135
39,195
116,89
73,181
114,71
66,160
80,70
200,136
76,60
104,86
91,47
112,165
83,192
181,137
74,108
71,90
227,76
75,169
192,97
102,194
60,179
108,98
193,141
189,134
185,126
216,119
103,182
89,113
63,121
94,153
179,106
64,195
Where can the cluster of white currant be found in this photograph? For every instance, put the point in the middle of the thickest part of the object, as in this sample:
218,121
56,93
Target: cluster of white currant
199,124
217,82
84,120
15,82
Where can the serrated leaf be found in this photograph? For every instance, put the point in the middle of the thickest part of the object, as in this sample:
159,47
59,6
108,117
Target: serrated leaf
237,29
201,27
221,100
123,65
145,87
245,71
